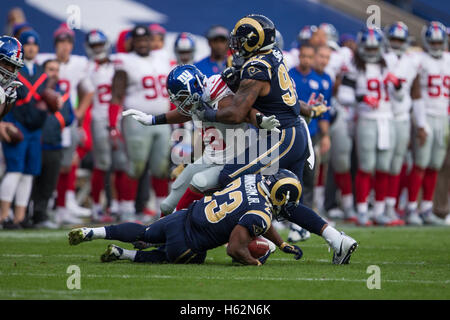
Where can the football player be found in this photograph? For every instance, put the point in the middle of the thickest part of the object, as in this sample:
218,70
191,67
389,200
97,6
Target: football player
264,84
72,70
184,48
235,215
140,82
369,85
98,85
406,65
431,122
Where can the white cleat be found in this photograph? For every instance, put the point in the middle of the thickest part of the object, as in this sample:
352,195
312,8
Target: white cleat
347,247
414,219
79,235
112,253
297,233
430,218
64,216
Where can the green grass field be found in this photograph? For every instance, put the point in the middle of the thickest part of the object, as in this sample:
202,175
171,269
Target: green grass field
414,264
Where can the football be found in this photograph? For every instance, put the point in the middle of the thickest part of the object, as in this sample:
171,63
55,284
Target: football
14,133
50,97
258,247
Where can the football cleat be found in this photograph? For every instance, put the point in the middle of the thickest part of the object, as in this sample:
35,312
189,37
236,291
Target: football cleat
112,253
297,234
382,220
347,247
79,235
363,220
350,215
430,218
392,214
413,218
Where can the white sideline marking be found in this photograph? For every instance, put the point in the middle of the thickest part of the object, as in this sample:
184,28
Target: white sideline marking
155,276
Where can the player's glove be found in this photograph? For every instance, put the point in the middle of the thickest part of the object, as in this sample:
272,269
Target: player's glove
231,77
390,77
115,137
263,259
11,92
268,123
141,245
318,109
205,113
292,249
142,117
371,101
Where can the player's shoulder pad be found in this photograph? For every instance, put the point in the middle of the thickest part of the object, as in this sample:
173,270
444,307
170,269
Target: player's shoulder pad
215,89
257,222
257,68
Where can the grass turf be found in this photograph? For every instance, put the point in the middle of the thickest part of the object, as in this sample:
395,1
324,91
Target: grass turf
414,264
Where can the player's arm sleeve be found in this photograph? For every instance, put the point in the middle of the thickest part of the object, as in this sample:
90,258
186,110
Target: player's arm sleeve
346,91
256,222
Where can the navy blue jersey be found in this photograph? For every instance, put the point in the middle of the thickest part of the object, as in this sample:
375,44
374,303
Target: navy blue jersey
211,219
282,100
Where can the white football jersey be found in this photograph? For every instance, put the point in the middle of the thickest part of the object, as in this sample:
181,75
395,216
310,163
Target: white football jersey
217,149
99,80
435,83
371,82
405,69
146,88
339,61
71,73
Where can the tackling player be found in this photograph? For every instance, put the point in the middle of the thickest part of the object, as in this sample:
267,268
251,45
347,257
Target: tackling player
264,84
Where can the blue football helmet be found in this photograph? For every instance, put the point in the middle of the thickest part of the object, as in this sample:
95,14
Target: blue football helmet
184,48
11,59
283,190
397,31
97,45
185,85
370,45
434,38
332,35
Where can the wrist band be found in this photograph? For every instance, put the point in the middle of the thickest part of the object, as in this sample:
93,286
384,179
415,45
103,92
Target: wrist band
160,119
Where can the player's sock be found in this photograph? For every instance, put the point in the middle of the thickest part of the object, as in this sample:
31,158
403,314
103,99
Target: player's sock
344,182
128,188
332,237
61,189
125,232
347,201
160,186
378,208
393,186
98,233
153,256
307,219
126,254
429,184
391,202
188,197
426,205
72,178
415,182
97,184
362,184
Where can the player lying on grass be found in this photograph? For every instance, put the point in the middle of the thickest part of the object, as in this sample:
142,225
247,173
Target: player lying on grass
189,89
235,215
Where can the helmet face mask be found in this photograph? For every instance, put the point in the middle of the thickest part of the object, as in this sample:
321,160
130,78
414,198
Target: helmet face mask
11,60
185,102
434,38
97,45
282,190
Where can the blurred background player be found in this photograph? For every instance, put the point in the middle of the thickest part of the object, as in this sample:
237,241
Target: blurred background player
405,66
184,48
139,82
218,41
157,36
45,183
71,71
431,123
369,86
23,159
106,158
